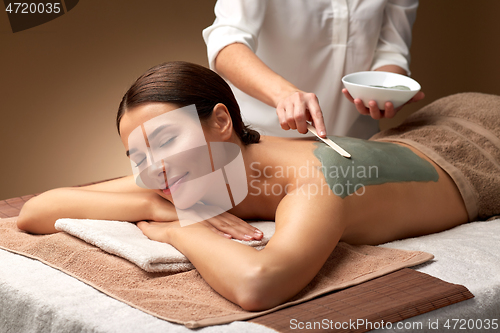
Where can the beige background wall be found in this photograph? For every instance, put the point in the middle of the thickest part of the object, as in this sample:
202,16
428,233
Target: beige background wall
61,82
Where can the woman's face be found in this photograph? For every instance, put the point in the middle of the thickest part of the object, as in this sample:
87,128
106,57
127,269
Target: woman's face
167,150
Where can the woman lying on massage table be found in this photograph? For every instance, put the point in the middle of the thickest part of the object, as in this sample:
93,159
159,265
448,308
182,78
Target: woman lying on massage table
386,191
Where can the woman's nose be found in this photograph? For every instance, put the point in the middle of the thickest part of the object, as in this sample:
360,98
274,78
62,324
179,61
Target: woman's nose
158,171
155,169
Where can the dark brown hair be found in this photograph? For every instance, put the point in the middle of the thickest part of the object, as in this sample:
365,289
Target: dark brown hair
183,83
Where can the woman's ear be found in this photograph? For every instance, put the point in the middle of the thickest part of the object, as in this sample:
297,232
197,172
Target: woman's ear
221,121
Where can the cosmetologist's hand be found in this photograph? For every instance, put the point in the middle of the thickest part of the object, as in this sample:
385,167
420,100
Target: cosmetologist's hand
295,108
373,110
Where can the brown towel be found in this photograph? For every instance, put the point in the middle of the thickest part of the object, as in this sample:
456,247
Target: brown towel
185,298
461,134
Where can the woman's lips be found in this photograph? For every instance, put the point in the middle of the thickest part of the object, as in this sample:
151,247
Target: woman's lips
175,182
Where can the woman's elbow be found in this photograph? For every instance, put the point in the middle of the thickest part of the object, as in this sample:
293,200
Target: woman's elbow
254,303
257,291
24,221
29,221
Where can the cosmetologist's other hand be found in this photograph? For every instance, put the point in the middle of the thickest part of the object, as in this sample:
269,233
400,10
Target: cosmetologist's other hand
373,110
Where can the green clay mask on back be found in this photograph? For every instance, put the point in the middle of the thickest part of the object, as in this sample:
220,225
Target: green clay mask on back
372,163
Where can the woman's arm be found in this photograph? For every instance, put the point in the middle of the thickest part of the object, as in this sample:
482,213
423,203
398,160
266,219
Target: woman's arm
307,230
118,199
121,200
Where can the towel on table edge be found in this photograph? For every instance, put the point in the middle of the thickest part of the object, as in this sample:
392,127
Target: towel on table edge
126,240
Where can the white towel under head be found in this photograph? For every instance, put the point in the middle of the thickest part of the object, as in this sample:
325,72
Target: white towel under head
126,240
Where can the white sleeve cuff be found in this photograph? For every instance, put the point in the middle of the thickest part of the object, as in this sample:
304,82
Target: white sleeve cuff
395,36
219,37
383,58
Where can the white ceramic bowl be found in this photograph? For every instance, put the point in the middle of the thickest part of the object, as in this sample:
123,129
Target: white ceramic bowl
360,85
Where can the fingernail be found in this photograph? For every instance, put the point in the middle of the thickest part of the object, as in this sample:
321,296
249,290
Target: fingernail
322,133
228,236
246,237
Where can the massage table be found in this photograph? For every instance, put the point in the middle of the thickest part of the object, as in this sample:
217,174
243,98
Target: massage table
37,298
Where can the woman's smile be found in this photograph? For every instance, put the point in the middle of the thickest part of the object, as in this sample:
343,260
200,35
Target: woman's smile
175,182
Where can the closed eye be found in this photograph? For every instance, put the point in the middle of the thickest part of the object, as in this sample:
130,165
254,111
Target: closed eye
168,141
140,162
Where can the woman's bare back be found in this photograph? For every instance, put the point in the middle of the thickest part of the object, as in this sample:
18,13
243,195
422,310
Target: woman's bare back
382,200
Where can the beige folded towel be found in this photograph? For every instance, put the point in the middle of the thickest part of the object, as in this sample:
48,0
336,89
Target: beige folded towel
126,240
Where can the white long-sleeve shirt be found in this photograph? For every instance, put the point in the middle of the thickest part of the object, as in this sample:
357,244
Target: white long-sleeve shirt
313,44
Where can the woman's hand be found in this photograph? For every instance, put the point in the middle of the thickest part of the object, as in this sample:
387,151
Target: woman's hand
297,107
225,224
230,226
373,111
157,231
